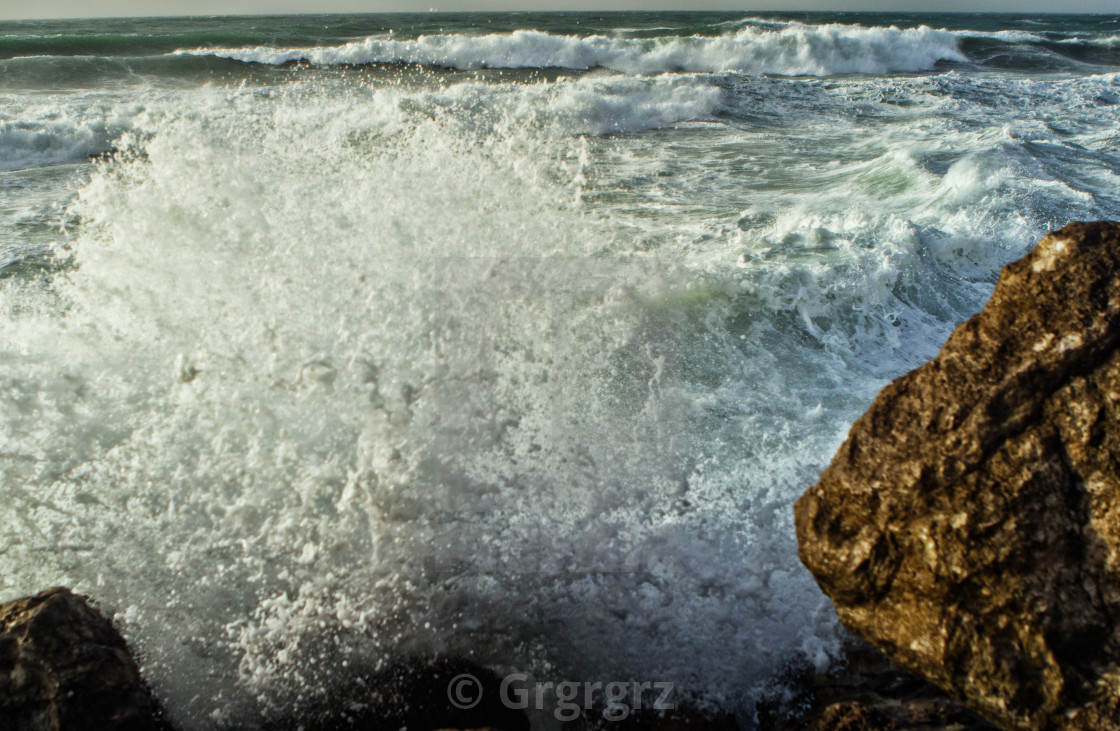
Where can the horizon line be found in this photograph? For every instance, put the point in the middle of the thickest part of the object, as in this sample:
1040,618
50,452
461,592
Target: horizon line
609,11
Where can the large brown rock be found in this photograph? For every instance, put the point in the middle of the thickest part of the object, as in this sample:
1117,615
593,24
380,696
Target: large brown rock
970,524
64,668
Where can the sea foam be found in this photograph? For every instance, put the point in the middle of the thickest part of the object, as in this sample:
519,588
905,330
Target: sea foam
58,131
425,415
791,49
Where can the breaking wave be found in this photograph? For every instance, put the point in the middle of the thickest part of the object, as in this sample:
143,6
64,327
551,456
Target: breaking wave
792,49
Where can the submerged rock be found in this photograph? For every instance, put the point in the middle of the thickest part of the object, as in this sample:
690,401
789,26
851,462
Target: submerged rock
970,524
417,694
64,668
684,716
864,691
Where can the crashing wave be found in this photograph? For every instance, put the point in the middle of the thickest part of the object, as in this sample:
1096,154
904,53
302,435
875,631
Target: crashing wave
793,50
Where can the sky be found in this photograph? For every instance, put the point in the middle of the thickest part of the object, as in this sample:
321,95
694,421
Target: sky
10,9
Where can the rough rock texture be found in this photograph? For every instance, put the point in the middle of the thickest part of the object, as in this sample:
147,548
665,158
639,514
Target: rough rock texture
64,668
863,692
970,524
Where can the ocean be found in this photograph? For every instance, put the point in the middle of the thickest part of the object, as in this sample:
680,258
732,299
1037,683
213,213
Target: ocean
327,340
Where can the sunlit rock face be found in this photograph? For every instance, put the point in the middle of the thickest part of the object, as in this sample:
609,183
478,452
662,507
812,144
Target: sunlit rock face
969,524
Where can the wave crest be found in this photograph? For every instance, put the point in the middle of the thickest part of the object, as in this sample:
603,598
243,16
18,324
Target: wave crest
793,50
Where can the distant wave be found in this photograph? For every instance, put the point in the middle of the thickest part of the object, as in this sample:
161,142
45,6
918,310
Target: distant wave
45,140
790,49
1029,38
72,131
1007,36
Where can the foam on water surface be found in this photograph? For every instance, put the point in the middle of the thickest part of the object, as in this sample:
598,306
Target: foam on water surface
425,414
792,49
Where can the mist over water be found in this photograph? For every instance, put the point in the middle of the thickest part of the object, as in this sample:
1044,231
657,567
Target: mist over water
509,337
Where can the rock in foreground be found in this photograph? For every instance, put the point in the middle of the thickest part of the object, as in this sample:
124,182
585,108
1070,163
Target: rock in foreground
970,524
64,668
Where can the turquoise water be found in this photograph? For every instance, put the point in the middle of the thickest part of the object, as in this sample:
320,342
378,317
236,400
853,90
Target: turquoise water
326,339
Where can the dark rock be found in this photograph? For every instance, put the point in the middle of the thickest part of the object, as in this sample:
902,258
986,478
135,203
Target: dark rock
862,692
970,524
685,716
64,668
